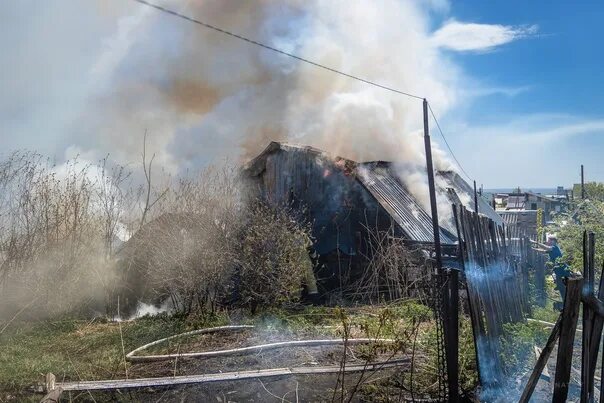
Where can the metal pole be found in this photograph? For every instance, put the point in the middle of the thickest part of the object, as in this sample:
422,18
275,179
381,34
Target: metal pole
451,321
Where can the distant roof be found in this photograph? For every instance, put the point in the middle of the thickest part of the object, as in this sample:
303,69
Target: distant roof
541,196
516,202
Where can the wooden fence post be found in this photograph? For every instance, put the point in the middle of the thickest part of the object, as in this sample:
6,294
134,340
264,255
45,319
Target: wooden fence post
543,357
568,327
472,305
587,382
540,280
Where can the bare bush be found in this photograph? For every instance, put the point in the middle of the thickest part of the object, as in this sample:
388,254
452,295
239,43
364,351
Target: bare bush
55,235
62,229
273,257
207,248
187,253
392,271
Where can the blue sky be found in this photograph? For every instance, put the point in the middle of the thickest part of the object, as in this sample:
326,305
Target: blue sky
558,76
517,86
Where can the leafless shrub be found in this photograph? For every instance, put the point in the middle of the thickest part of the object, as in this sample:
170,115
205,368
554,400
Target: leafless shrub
186,251
392,271
57,224
62,228
208,246
273,258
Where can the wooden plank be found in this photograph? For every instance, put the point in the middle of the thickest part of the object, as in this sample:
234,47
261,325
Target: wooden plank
541,362
596,331
225,376
568,327
478,307
471,307
453,333
540,281
50,381
587,382
54,396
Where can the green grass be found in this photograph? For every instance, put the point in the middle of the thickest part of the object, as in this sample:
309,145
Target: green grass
75,349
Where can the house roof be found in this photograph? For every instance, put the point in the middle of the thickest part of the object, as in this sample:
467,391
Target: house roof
465,195
540,196
380,179
256,165
161,228
517,202
383,184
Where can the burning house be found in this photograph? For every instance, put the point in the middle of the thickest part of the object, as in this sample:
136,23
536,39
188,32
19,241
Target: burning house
345,200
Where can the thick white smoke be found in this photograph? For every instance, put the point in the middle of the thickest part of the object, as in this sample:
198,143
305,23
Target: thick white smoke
203,95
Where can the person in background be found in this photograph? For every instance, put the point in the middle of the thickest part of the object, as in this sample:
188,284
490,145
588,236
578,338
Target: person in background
560,269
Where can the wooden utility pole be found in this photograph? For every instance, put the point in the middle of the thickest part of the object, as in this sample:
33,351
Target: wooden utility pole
475,198
432,189
582,184
450,318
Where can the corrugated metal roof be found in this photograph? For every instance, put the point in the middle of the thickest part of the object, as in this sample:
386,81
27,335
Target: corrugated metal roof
404,209
516,202
465,195
509,218
520,222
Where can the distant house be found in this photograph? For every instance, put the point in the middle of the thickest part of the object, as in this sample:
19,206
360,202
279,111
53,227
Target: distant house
529,201
345,199
520,223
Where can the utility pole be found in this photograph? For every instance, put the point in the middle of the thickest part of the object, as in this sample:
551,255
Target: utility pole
582,184
450,293
432,189
475,199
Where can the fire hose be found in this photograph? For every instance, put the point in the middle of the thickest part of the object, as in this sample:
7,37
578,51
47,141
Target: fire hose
131,357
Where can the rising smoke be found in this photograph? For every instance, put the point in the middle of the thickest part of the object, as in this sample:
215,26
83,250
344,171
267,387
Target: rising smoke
203,95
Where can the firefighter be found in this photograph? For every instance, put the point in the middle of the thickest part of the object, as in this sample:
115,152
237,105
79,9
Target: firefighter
560,269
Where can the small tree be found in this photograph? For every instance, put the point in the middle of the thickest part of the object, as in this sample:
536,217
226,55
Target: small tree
273,258
587,216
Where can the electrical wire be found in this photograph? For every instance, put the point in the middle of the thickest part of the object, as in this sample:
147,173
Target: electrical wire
447,143
322,66
265,46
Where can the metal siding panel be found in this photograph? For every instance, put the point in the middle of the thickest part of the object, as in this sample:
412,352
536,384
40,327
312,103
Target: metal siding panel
459,185
403,207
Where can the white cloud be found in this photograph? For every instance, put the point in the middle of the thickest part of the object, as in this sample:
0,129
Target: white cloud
530,150
538,128
481,90
472,37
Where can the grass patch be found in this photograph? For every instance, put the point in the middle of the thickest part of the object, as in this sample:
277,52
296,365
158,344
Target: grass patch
76,349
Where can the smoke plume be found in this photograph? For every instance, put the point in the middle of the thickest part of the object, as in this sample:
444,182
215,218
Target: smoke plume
202,95
192,87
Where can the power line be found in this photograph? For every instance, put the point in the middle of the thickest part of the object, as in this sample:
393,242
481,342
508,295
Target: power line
447,143
262,45
265,46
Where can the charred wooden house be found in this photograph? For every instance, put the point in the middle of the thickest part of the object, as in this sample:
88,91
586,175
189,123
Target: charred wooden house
344,200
